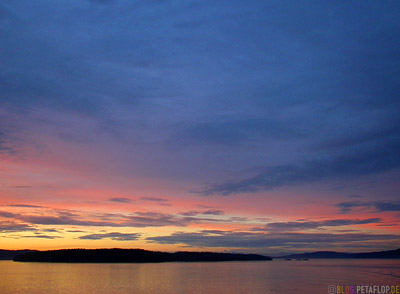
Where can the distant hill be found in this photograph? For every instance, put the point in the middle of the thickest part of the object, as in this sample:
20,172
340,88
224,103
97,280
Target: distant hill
10,254
390,254
130,255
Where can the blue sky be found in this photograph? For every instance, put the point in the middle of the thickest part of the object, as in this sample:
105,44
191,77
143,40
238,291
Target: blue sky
202,101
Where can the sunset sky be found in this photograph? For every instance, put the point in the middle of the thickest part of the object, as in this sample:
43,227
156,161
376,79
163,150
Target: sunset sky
243,126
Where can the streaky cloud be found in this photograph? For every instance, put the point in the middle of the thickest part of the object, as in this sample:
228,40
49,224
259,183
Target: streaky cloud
305,225
12,227
363,162
120,200
154,199
378,206
226,239
113,236
42,237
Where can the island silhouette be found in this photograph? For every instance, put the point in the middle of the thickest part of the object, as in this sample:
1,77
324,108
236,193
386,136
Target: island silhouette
389,254
10,254
116,255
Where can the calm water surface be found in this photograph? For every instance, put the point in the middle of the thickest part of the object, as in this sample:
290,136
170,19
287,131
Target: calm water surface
283,277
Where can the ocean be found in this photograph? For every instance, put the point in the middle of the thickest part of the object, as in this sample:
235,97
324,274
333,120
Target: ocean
278,276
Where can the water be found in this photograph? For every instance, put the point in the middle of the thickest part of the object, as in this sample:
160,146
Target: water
283,277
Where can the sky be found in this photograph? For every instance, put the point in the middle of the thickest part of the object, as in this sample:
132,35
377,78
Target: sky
240,126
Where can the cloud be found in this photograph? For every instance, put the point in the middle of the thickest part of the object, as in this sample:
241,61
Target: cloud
10,227
21,187
42,237
156,219
64,220
137,219
349,205
159,201
256,99
378,206
7,214
9,141
261,240
383,206
306,225
363,162
191,213
25,205
51,230
120,199
355,196
223,87
154,199
206,212
213,212
113,236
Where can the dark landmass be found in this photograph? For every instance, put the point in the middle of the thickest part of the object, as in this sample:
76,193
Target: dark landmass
390,254
10,254
130,256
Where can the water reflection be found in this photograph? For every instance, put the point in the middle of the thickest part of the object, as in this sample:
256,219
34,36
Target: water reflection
284,277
